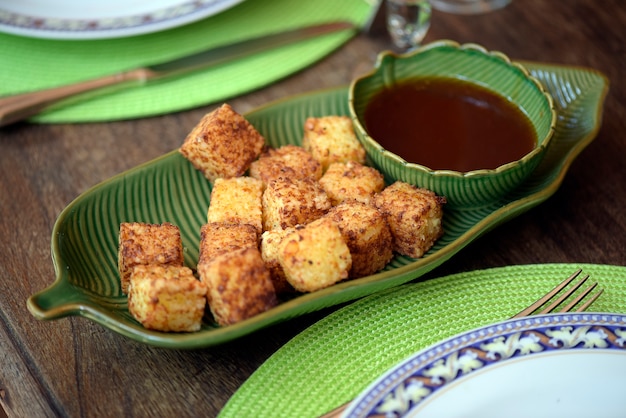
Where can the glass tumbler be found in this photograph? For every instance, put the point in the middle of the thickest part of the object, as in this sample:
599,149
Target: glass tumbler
408,21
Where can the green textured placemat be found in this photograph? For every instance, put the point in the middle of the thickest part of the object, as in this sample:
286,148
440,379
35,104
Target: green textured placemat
28,64
332,361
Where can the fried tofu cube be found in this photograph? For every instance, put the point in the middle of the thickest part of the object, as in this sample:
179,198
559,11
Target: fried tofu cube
290,202
351,181
332,139
142,243
166,298
270,242
287,161
314,256
367,234
217,238
239,286
237,200
414,216
222,144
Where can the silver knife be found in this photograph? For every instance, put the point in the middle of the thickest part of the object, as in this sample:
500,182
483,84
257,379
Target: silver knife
21,106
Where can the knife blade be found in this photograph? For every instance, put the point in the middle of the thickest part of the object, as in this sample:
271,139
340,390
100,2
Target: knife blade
21,106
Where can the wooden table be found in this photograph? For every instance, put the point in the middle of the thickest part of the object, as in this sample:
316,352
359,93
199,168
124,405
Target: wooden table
74,367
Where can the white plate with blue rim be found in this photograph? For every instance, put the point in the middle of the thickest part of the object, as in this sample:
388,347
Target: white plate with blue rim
557,365
80,19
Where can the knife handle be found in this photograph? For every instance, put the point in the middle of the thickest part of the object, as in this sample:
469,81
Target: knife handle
21,106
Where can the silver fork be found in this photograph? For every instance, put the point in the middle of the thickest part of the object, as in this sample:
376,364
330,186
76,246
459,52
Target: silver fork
570,306
536,308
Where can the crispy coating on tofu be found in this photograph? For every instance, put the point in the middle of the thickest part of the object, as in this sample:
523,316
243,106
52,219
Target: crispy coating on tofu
237,200
239,286
222,144
314,256
290,202
367,234
287,161
217,238
143,243
166,298
270,241
351,181
332,139
414,216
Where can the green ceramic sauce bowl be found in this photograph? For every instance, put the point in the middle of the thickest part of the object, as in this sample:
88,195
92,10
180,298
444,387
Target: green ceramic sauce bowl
471,63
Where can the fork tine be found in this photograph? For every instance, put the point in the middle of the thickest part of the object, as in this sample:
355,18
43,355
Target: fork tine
566,295
532,308
590,301
578,298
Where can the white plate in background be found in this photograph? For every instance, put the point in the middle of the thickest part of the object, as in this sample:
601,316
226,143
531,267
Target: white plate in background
91,19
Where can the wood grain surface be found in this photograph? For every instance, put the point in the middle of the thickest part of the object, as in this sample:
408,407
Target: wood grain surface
73,367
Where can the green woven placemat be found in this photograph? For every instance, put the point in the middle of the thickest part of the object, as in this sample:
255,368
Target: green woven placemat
332,361
28,64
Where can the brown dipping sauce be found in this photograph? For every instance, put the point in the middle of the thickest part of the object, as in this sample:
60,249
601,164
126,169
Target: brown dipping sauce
449,124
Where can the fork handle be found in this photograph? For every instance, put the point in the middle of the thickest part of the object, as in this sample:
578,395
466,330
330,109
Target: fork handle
21,106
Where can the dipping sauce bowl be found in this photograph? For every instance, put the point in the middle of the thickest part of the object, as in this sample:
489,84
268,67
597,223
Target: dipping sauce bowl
464,122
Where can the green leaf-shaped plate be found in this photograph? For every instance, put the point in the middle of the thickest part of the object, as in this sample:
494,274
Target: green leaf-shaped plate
84,239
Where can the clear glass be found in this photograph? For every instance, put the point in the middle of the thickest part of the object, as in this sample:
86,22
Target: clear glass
468,6
408,21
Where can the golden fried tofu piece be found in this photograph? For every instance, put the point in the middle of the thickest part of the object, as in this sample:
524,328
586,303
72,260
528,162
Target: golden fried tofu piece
332,139
287,161
142,243
314,256
367,234
290,202
351,181
166,298
217,238
239,286
237,200
414,216
270,242
222,144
